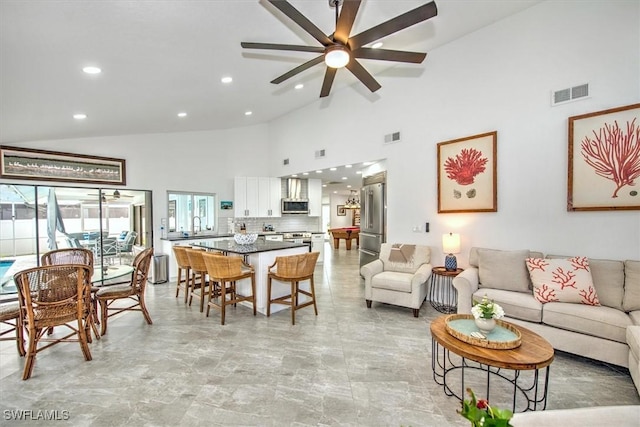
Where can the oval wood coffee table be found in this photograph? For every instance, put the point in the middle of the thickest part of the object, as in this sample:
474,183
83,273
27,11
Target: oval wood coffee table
534,354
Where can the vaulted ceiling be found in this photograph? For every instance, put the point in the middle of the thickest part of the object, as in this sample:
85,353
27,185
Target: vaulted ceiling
160,58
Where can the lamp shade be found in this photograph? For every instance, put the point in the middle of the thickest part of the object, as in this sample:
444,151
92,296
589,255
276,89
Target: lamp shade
451,243
336,56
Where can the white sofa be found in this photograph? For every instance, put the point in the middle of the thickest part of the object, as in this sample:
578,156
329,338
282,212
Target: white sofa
399,276
619,416
608,332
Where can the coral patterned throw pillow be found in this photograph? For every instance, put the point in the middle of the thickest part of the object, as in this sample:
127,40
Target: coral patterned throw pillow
562,280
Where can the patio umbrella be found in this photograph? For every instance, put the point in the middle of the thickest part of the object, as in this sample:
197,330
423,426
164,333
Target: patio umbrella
54,220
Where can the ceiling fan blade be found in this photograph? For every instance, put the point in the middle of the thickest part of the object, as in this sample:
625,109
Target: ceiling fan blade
389,55
345,20
297,17
363,75
329,75
275,46
393,25
298,69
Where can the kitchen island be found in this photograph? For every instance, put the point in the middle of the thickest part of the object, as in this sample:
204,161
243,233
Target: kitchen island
260,255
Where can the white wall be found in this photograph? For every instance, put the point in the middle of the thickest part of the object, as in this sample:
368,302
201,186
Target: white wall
187,161
498,78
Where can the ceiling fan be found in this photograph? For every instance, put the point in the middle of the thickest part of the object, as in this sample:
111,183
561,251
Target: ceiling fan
105,197
342,47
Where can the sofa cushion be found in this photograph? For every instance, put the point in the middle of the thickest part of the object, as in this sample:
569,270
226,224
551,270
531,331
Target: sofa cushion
608,279
503,270
602,322
633,339
392,280
635,317
562,280
474,257
631,299
516,305
404,258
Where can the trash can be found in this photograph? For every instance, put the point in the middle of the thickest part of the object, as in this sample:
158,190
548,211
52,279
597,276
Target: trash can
159,269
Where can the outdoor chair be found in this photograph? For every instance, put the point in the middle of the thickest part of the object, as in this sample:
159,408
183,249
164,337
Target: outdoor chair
10,316
54,295
125,246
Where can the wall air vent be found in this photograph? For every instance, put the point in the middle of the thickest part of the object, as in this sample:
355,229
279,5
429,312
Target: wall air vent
392,137
320,153
569,94
285,162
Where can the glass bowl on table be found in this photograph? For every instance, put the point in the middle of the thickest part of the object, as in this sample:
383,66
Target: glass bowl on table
245,239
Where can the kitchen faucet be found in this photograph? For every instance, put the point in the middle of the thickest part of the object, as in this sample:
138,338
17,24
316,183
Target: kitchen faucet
193,224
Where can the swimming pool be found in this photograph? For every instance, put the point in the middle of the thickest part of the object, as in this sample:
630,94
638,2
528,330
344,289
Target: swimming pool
5,265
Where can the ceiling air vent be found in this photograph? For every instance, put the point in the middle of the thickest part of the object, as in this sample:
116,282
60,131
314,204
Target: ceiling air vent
569,94
392,137
320,153
285,162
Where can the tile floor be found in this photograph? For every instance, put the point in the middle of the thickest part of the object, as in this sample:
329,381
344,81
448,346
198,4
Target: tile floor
349,366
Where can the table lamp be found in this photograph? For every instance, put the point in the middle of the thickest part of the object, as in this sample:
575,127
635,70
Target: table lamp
451,245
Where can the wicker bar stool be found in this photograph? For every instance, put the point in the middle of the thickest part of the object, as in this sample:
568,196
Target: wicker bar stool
10,316
200,282
226,271
293,269
182,259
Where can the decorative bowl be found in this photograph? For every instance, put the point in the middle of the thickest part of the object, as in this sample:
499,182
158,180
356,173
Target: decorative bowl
245,239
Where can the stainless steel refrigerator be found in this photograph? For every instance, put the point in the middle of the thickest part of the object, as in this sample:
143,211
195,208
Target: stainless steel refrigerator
373,212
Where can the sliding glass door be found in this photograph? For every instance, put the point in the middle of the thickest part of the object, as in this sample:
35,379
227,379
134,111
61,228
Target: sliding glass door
34,219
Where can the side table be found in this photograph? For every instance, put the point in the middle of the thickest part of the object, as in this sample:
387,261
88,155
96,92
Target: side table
442,295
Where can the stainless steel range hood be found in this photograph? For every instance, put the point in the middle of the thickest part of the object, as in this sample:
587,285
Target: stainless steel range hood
294,189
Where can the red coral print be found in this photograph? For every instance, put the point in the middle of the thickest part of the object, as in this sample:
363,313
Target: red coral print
589,297
466,165
564,278
580,263
536,264
614,154
546,294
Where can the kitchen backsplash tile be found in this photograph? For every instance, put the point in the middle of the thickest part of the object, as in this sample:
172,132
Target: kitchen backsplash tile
285,223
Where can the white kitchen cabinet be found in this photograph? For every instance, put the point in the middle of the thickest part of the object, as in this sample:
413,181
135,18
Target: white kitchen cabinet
246,192
269,195
314,192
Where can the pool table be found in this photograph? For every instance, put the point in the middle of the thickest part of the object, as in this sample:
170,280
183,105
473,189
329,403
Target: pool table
347,233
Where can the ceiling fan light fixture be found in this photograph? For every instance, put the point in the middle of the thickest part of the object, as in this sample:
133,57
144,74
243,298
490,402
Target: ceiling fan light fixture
336,56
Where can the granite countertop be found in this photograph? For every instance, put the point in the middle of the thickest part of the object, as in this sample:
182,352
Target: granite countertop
195,237
258,246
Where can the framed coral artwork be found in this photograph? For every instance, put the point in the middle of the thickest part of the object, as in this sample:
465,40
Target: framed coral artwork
604,160
467,177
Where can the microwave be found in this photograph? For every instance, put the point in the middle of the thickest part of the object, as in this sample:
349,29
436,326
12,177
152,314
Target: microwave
295,206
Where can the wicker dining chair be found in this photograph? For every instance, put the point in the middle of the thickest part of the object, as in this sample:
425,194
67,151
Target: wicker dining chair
81,256
54,295
10,316
226,271
109,296
201,284
293,269
182,259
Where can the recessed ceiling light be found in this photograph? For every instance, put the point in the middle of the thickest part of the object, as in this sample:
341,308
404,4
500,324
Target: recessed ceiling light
318,171
344,177
182,114
80,116
248,113
358,172
294,175
376,45
333,169
367,163
299,86
348,186
335,192
347,166
92,70
226,79
305,173
324,185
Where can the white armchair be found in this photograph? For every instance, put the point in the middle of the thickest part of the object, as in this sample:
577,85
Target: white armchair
399,276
